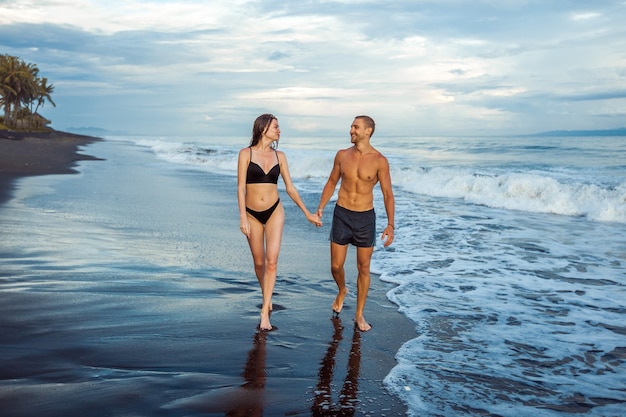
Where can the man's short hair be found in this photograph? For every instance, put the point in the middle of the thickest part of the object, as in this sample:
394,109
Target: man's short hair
369,122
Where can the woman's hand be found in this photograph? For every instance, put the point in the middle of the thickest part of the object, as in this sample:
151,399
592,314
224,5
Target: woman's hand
315,219
244,226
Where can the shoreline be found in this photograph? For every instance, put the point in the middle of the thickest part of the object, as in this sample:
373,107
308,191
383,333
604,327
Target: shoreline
24,154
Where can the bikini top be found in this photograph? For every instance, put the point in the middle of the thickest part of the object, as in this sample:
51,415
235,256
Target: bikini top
256,175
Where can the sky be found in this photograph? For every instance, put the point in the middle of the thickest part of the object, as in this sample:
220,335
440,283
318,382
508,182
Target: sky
418,67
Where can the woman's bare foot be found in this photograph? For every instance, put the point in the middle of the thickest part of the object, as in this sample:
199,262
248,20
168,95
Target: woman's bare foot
265,321
362,324
338,304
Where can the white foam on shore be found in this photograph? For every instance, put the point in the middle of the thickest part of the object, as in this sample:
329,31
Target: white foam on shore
561,192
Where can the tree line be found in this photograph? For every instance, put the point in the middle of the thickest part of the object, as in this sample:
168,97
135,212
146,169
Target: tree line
22,93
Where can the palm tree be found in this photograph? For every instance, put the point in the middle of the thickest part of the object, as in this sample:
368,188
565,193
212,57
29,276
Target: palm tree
14,75
20,87
44,93
9,69
27,90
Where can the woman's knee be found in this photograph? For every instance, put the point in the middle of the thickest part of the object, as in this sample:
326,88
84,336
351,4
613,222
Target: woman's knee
259,265
271,265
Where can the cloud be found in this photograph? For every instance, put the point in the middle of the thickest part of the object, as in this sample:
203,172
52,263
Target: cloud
440,67
597,95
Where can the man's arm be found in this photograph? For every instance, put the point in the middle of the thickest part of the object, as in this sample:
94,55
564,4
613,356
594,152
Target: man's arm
331,184
384,178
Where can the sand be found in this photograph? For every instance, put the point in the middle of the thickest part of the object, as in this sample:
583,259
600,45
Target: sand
106,334
38,153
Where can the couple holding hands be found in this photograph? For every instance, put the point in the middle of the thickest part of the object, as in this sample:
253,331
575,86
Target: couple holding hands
359,168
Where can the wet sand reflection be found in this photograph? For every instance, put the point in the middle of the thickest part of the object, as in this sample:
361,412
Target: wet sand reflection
346,405
250,401
245,400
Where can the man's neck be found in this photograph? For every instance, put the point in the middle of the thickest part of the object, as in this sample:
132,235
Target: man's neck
363,147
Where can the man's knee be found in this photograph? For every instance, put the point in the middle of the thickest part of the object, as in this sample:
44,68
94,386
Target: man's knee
336,268
363,265
363,259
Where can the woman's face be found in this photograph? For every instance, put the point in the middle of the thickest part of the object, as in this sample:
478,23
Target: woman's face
273,131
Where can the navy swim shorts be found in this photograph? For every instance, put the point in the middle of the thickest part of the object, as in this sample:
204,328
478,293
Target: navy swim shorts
355,227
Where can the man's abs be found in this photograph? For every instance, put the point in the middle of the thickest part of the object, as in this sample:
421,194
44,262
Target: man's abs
355,201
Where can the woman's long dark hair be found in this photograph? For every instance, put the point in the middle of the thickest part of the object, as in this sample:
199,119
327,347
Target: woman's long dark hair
261,124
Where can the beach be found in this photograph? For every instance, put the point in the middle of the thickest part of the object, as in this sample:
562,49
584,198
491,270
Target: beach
127,289
37,153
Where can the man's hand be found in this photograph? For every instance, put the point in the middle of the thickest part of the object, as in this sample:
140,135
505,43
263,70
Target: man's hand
387,236
315,219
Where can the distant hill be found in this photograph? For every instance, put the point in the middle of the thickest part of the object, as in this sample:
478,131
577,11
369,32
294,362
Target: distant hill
93,131
606,132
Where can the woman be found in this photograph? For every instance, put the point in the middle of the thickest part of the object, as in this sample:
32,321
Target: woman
261,213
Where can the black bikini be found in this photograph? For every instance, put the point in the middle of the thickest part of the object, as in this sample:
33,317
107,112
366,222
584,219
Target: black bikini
256,175
263,216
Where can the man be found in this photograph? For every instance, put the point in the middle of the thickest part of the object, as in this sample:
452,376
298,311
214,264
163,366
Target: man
359,168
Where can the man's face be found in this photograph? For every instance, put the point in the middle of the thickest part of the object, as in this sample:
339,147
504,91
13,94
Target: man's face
358,131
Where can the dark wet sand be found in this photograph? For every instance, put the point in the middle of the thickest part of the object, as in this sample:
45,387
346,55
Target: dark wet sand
37,153
111,340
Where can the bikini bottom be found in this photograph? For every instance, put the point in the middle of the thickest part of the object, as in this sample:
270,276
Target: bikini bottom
263,216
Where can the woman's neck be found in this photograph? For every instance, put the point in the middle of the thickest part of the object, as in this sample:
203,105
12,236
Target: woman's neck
264,145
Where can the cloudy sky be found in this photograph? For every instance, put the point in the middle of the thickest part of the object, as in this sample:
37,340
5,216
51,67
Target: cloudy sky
419,67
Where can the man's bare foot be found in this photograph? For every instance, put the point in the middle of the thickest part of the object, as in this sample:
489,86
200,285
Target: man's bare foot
265,321
338,304
362,324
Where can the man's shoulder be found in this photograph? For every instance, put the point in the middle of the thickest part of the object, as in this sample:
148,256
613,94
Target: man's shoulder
381,155
380,160
375,153
378,153
342,152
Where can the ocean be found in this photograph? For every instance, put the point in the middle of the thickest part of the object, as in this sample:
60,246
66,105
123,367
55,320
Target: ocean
509,257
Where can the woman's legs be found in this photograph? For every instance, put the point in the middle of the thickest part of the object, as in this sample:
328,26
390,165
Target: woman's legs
257,247
273,238
265,244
